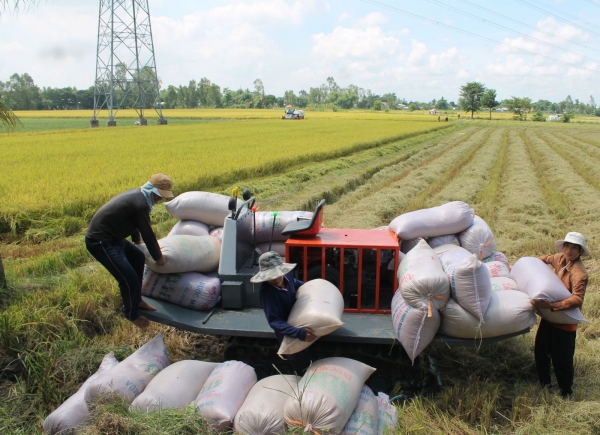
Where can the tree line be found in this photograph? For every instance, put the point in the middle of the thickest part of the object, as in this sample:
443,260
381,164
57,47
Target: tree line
21,93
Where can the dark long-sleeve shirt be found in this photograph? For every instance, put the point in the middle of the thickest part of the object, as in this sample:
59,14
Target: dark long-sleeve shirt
277,305
127,214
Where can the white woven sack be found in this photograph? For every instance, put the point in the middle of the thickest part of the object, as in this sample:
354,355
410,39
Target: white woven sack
131,376
363,420
478,239
262,411
278,247
469,281
448,239
175,387
74,411
224,392
508,312
407,245
421,278
319,306
415,328
206,207
450,218
330,390
192,290
496,256
186,254
502,283
497,269
388,415
264,224
189,228
217,232
536,279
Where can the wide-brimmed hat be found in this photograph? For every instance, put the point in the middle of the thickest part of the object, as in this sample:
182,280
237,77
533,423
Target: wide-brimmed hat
574,238
271,266
163,184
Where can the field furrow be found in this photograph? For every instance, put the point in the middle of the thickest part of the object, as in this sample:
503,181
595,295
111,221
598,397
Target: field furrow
585,147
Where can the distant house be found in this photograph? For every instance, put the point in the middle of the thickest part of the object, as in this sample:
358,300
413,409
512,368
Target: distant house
434,112
402,106
554,118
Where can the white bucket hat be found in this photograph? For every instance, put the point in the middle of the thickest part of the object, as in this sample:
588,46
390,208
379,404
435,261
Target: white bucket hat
574,238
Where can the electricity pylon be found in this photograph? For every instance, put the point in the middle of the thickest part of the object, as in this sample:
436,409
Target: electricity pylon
125,64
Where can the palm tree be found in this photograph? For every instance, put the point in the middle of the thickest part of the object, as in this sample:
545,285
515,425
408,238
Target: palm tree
8,120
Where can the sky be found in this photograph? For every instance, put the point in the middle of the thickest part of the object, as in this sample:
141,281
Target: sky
420,50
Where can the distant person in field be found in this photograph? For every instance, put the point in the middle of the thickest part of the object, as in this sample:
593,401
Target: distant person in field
555,343
446,120
128,214
277,297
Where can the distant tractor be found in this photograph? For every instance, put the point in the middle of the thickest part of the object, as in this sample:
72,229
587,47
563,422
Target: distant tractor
291,113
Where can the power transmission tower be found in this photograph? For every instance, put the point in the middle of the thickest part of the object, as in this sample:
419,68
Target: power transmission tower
125,64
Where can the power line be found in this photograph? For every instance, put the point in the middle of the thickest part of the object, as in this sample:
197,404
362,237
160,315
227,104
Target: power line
466,32
593,3
468,14
526,3
530,26
559,11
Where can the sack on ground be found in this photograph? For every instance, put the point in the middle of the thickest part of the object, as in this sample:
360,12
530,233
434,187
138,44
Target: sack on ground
450,218
189,228
536,279
503,283
422,280
186,254
363,420
74,411
469,281
388,415
278,247
414,327
331,388
206,207
176,386
192,290
478,239
497,269
224,392
448,239
508,312
262,411
130,377
319,306
496,256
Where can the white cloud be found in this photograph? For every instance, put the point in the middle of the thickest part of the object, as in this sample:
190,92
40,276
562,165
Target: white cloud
370,43
418,54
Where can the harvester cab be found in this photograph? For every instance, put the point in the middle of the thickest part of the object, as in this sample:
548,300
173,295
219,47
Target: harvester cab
361,263
291,113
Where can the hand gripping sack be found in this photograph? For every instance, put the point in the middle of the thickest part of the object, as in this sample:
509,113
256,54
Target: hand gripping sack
469,281
217,232
224,392
496,256
192,290
388,415
206,207
422,280
74,411
363,420
189,228
449,239
319,306
414,327
330,390
536,279
450,218
131,376
478,239
175,387
186,254
501,283
497,269
262,411
509,312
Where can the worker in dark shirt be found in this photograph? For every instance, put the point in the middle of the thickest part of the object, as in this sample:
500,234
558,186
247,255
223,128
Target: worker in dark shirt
277,296
128,214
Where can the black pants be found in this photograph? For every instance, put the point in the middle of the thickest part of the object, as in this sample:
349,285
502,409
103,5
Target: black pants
556,346
126,263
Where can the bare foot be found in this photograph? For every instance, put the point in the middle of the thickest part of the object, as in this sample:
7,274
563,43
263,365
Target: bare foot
146,306
141,322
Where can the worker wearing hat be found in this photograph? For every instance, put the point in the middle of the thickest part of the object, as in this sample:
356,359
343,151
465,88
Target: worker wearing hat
277,297
555,343
128,214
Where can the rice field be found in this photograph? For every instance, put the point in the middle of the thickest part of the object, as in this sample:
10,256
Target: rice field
532,182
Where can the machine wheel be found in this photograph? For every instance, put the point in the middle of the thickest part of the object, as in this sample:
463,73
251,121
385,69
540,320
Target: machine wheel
331,274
